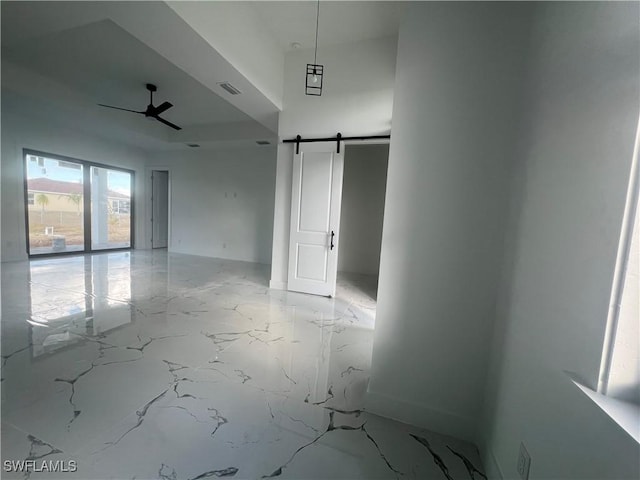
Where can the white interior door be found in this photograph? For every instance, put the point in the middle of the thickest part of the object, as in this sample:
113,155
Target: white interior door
315,218
160,208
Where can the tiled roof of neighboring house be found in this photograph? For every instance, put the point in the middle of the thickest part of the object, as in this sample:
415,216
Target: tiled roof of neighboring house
53,186
57,186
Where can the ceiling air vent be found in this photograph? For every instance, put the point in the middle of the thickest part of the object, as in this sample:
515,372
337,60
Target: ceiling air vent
193,145
230,88
263,142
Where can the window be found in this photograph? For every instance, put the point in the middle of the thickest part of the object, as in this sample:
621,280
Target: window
57,189
71,165
620,365
111,222
623,381
120,206
38,160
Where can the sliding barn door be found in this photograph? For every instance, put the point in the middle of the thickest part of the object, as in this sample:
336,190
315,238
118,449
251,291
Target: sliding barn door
315,218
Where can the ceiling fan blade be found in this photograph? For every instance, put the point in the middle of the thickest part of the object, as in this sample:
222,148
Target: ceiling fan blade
119,108
162,120
162,108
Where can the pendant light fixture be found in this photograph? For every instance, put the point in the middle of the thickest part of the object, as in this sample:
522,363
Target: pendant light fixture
315,72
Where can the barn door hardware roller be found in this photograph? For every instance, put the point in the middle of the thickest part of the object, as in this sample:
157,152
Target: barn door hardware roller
338,138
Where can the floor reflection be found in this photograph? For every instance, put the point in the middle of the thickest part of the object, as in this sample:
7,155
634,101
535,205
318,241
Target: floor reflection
146,364
92,297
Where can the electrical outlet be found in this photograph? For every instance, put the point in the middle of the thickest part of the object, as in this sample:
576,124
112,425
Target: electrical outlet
524,463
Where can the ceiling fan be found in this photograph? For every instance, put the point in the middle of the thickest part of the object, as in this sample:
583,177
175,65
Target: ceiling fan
151,111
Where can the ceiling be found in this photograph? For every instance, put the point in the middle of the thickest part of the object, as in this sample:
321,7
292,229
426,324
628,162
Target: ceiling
338,21
60,59
111,66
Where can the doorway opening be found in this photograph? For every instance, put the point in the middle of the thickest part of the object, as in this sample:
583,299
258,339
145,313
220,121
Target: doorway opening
362,216
159,209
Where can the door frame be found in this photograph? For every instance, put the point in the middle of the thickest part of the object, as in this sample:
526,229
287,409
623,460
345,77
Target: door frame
148,171
372,142
281,236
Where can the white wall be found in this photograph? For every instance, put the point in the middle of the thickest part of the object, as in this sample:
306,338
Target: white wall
22,130
357,94
221,202
459,77
281,217
357,99
236,31
573,166
363,188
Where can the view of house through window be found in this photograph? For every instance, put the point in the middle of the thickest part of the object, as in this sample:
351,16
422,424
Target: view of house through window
55,199
110,208
55,205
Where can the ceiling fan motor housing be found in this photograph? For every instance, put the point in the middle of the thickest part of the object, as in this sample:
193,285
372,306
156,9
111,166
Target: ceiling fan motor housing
149,111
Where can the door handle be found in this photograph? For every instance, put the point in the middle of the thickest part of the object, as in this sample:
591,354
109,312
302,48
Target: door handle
332,235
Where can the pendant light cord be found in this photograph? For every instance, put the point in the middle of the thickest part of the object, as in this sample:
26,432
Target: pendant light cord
315,56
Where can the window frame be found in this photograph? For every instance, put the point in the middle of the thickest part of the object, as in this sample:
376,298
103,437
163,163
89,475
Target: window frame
86,164
620,273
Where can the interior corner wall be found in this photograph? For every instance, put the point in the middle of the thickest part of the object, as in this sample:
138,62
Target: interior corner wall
573,171
357,99
21,130
363,189
221,202
457,102
281,217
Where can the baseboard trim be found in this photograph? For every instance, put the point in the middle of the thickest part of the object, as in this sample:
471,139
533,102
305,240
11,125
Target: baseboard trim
276,285
439,421
491,466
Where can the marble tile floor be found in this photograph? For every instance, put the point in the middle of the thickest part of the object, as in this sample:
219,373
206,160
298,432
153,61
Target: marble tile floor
148,365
